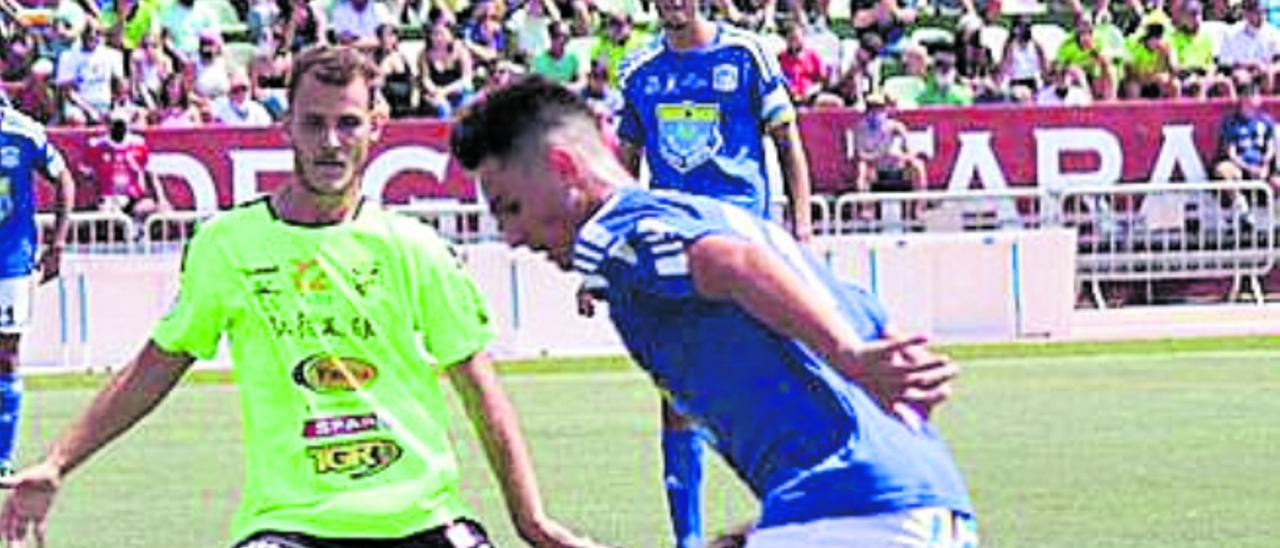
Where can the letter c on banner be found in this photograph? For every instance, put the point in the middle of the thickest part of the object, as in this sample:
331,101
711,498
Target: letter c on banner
402,158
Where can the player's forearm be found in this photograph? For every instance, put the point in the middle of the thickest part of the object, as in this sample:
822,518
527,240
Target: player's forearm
63,200
495,422
795,169
631,157
130,395
764,286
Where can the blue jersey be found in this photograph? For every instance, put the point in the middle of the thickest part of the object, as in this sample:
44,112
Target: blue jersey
808,442
23,149
700,115
1250,135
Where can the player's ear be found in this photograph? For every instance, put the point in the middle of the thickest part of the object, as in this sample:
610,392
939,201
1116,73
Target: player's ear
562,162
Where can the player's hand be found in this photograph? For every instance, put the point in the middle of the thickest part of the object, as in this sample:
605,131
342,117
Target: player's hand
544,532
899,370
927,378
50,263
586,302
27,507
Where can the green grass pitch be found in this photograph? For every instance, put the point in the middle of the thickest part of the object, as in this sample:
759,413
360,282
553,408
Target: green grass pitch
1132,445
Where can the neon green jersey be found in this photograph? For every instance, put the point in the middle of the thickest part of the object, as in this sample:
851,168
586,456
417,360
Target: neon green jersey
337,335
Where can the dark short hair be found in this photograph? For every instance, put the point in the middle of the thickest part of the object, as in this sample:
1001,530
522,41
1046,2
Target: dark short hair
335,66
531,106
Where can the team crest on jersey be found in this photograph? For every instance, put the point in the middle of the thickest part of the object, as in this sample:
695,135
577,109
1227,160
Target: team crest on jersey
10,157
724,78
688,134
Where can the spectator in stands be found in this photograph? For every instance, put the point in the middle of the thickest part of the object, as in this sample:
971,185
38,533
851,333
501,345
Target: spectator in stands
862,77
179,105
1197,70
445,75
530,26
85,77
1068,87
747,14
484,33
124,104
804,71
238,107
944,87
1247,144
269,71
501,74
605,99
398,79
1024,62
68,24
19,51
1252,47
586,18
915,60
618,42
411,13
38,98
148,69
130,21
882,162
185,23
304,25
974,61
117,163
262,17
355,22
556,63
211,66
1083,51
888,18
1152,65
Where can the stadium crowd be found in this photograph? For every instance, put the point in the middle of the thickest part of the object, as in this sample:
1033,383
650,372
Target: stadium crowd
181,63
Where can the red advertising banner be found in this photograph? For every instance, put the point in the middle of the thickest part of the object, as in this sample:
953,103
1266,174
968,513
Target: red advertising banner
979,147
216,167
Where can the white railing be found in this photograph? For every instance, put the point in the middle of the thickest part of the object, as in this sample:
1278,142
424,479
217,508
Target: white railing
94,231
933,211
458,221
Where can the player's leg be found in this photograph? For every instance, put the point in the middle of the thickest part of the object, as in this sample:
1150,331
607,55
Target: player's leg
682,475
15,313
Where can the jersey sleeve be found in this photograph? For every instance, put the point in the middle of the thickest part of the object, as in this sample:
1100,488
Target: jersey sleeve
52,164
652,257
195,323
449,310
630,122
770,89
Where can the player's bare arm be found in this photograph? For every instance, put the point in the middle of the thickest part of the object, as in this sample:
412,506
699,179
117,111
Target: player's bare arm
726,268
630,156
64,197
795,171
494,418
130,396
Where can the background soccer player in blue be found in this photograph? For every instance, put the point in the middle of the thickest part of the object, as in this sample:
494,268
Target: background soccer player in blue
24,149
699,99
809,394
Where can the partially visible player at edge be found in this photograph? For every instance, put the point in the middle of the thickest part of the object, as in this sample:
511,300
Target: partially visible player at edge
699,99
807,390
24,150
340,318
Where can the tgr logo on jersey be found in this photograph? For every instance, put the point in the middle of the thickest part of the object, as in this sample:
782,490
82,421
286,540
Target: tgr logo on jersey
357,459
328,374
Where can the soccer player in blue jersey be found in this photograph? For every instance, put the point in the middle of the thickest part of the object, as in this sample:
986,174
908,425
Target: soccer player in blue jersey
698,101
813,398
24,149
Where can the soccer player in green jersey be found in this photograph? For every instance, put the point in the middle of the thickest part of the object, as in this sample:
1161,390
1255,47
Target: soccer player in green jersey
340,316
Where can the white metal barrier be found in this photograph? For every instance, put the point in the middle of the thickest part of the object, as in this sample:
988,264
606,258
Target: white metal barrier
933,211
458,221
94,231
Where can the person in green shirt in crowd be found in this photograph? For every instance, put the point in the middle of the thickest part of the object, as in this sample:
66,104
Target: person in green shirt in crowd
1152,65
1197,68
944,86
1083,51
340,318
619,40
557,63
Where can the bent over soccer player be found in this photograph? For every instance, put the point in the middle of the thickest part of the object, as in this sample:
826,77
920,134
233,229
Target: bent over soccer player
324,300
809,396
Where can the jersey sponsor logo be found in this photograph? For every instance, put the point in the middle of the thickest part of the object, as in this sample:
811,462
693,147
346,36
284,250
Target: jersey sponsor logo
309,277
652,85
329,374
688,134
10,157
724,78
319,326
328,427
356,459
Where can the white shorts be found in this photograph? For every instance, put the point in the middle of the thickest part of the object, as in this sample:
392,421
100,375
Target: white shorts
15,304
916,528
